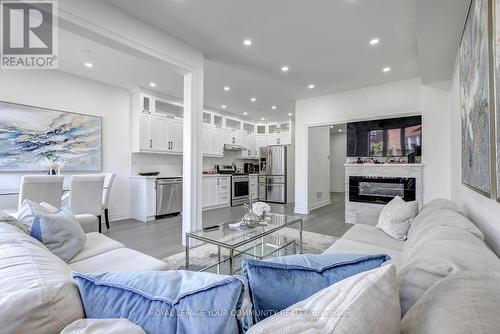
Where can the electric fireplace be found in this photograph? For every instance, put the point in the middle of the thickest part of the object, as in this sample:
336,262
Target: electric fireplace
381,190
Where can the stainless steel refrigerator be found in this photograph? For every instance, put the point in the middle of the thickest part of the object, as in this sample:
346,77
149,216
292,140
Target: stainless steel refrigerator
273,174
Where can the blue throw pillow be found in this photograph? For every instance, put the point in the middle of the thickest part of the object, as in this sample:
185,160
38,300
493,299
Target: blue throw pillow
60,232
280,282
170,301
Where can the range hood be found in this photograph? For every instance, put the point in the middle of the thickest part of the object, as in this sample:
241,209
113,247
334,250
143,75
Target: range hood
232,147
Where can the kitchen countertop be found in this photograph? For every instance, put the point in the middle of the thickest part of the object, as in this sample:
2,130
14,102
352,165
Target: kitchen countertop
155,177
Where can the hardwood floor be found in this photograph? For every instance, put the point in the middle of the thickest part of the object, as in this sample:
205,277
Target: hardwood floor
162,238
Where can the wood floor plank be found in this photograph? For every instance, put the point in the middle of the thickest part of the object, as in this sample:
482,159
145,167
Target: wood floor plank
162,238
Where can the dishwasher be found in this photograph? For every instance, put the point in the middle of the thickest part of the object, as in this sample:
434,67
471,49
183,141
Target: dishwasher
168,196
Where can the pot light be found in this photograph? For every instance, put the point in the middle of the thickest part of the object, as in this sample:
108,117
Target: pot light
88,65
152,84
223,106
386,69
331,126
262,119
274,107
290,114
374,41
311,86
247,42
245,113
340,130
227,88
253,99
284,69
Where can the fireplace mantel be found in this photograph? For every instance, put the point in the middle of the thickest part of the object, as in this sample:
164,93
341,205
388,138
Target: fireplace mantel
356,212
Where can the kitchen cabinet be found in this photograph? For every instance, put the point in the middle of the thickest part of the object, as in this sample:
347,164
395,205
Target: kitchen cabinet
175,133
160,134
249,143
279,133
213,141
216,191
232,137
143,198
253,187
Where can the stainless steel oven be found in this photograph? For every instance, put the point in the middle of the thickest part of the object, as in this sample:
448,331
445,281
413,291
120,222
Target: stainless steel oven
239,189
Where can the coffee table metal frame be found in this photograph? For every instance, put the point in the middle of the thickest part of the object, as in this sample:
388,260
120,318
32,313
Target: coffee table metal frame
233,252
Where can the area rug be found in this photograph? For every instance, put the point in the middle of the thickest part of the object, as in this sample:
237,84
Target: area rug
206,254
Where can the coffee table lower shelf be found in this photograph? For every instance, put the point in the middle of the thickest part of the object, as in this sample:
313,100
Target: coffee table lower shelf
261,250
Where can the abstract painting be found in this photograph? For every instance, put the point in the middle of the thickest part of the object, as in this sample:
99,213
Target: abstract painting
31,136
475,99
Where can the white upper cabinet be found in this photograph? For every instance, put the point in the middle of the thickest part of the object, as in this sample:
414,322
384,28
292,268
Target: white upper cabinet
157,125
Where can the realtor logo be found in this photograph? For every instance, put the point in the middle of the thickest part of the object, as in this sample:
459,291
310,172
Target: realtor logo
29,35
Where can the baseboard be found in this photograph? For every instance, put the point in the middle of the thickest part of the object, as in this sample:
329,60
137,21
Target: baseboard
319,204
119,216
301,211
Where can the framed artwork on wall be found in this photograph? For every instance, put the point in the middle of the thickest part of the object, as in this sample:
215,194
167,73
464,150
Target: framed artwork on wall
496,39
30,137
475,99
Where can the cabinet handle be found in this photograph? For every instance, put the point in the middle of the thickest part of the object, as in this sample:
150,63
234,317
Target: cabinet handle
150,143
217,181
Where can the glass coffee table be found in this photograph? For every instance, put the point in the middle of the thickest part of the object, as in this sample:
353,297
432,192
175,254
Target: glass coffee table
259,242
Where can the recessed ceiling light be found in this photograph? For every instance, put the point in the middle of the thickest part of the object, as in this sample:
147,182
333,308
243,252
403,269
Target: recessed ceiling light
152,84
253,99
84,50
245,113
247,42
290,114
311,86
227,88
284,69
386,69
374,41
331,126
223,106
262,119
88,65
340,130
274,107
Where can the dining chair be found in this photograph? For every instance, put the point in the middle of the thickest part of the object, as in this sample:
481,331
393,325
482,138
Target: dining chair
108,182
86,196
41,188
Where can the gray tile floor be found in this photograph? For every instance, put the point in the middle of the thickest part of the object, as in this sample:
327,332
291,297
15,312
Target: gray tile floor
162,238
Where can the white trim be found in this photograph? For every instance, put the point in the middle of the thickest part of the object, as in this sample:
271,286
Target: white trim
320,204
118,216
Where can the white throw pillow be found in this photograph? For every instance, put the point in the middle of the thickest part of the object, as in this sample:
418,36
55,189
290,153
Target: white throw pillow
107,326
30,209
396,217
60,232
364,303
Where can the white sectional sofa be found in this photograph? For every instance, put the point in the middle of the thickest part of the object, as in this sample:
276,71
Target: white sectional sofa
38,294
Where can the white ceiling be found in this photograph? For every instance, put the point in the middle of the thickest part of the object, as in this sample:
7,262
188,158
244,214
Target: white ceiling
325,42
114,67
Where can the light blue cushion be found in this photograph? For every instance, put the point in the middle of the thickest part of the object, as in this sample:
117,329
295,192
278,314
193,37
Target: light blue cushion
60,232
280,282
170,301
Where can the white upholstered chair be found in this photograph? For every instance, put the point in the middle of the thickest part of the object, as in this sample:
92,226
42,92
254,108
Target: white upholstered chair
108,182
41,188
85,200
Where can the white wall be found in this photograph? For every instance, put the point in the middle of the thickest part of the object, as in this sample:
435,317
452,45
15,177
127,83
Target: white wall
319,167
338,154
480,209
392,99
57,90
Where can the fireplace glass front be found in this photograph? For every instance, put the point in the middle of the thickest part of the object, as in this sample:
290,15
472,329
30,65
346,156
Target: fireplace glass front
380,190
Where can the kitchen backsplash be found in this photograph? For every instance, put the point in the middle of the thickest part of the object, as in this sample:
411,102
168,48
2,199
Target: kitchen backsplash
172,164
